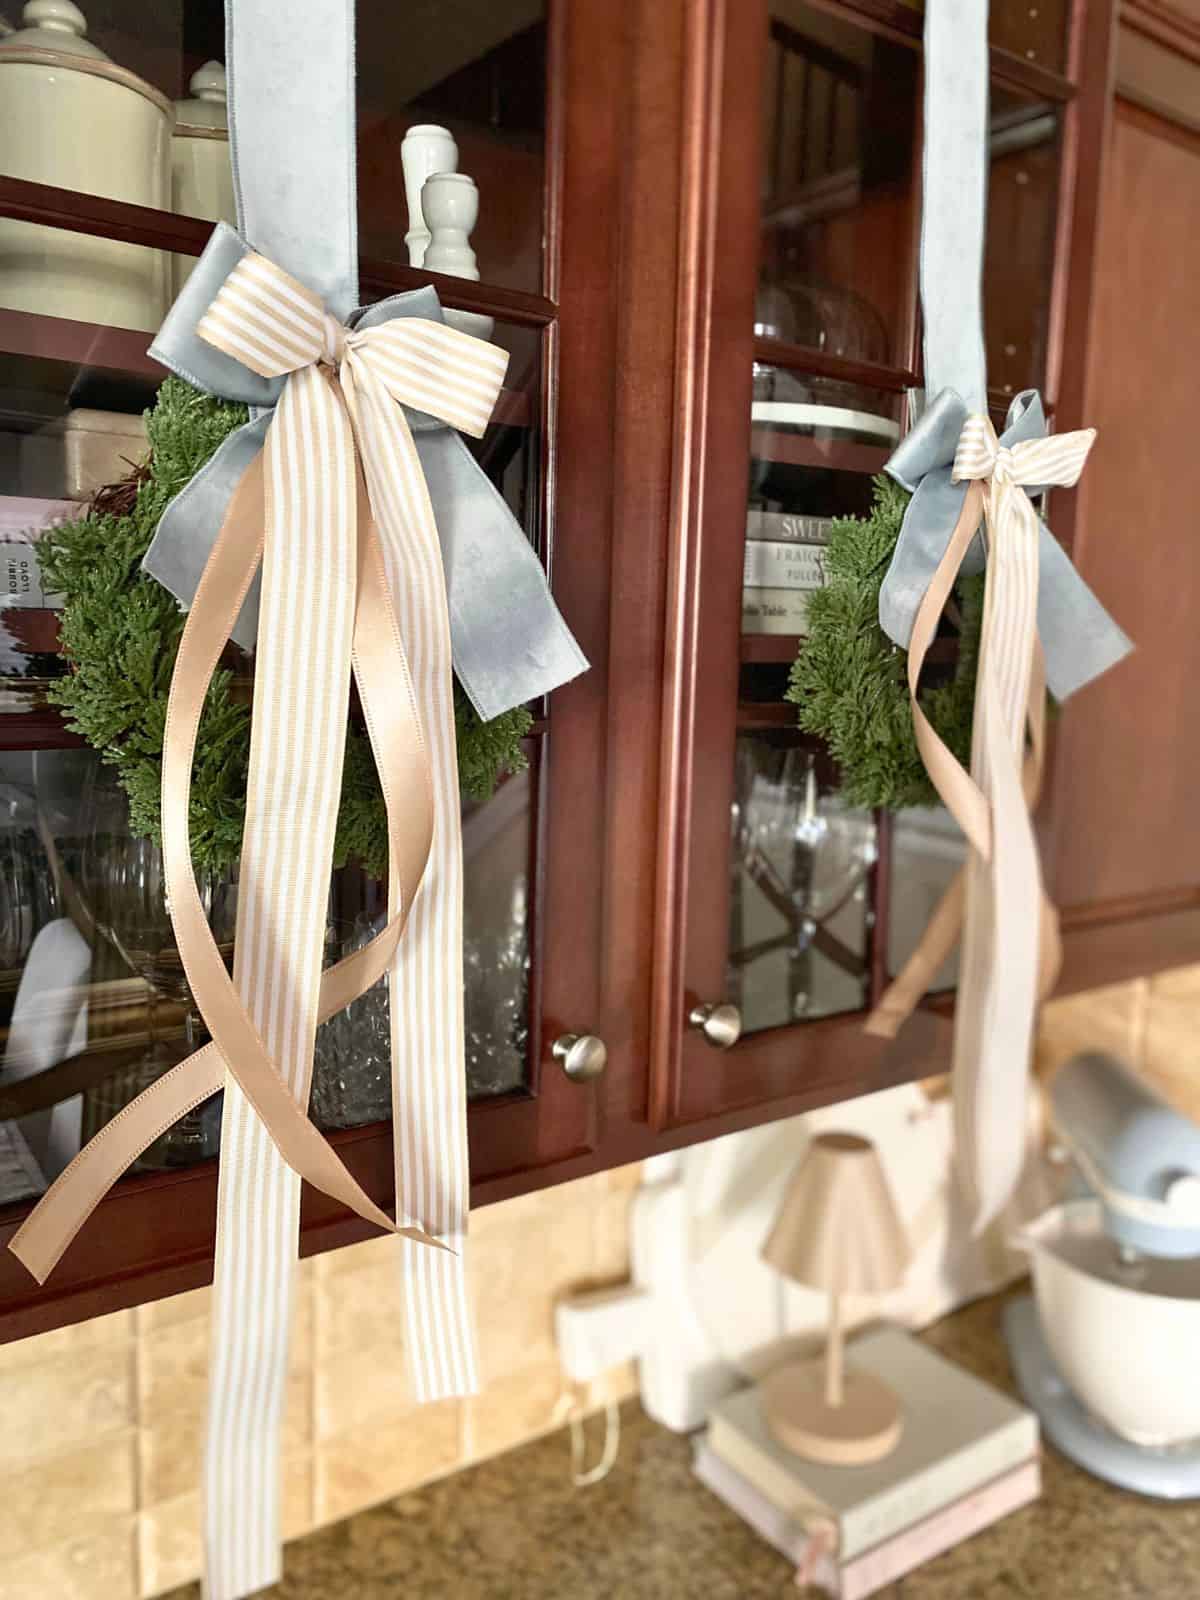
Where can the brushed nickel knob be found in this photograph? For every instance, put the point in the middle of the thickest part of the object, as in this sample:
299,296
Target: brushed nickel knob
720,1025
581,1055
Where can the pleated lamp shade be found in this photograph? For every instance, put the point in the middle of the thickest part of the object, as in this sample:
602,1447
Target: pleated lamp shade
838,1228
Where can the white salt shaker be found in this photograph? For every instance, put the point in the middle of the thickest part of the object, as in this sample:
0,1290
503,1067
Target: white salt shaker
450,206
426,149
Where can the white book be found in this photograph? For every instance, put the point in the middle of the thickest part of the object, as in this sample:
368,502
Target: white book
959,1434
787,526
775,610
806,1547
782,564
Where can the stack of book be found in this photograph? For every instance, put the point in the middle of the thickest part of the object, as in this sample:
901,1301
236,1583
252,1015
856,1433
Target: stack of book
784,562
967,1457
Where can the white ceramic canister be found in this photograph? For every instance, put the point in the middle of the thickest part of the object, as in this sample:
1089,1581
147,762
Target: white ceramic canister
72,118
201,174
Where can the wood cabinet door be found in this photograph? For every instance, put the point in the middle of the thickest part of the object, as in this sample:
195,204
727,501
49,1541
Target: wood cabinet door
1127,865
799,232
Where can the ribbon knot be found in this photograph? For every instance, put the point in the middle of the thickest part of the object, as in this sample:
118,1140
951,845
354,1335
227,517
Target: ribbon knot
335,341
1028,463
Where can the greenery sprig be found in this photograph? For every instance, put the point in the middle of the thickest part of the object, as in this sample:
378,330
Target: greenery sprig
120,633
849,680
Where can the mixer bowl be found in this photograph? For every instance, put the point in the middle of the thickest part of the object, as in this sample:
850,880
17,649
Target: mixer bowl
1124,1336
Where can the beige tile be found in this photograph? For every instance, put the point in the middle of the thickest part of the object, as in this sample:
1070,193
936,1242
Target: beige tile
1169,1059
610,1234
352,1387
1098,1019
1179,983
511,1410
100,1332
79,1397
169,1539
98,1566
173,1364
187,1307
373,1463
626,1177
359,1310
171,1440
66,1497
518,1271
354,1257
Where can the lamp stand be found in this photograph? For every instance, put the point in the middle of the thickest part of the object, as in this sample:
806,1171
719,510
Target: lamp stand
823,1412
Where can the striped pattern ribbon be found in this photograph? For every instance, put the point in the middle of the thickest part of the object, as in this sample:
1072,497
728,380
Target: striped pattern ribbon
337,510
1010,933
274,325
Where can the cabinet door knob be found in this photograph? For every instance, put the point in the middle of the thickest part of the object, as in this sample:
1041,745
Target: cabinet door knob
582,1056
720,1025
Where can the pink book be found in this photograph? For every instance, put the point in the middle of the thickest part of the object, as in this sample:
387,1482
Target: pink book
811,1548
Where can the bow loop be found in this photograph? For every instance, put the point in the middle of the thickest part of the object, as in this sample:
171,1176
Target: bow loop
978,452
435,369
266,319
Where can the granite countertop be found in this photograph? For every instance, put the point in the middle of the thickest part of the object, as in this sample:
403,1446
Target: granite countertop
514,1529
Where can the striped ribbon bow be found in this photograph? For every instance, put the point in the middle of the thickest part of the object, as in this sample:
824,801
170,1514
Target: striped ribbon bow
1011,952
336,508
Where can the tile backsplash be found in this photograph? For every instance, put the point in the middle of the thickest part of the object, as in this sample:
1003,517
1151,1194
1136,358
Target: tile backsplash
100,1453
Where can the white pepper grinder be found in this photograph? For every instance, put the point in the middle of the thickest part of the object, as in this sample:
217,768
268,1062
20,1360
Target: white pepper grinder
429,152
450,206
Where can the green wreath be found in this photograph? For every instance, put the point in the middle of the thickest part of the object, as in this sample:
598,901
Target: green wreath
120,632
849,680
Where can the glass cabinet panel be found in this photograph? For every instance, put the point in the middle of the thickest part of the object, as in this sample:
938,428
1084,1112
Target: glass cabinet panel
1035,30
1019,254
839,115
93,1001
802,859
481,72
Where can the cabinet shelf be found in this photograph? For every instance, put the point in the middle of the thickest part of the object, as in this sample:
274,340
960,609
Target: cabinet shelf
759,649
770,443
122,352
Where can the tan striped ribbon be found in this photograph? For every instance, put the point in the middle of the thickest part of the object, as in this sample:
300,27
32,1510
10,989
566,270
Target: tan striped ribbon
1010,938
352,575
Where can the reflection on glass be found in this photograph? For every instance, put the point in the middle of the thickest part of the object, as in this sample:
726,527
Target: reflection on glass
1019,254
480,71
352,1061
928,848
124,889
839,118
801,860
1036,33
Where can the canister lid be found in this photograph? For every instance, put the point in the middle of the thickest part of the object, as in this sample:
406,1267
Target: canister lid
56,25
206,107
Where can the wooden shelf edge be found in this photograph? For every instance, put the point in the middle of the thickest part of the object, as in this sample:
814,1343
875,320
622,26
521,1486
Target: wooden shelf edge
77,212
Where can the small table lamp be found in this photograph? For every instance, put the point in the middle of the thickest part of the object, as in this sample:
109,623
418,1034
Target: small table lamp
838,1230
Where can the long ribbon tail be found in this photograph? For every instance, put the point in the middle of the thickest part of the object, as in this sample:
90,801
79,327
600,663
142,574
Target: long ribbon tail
426,988
998,829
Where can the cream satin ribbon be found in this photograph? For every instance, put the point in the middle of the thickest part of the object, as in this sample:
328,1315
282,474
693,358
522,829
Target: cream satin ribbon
352,580
1011,950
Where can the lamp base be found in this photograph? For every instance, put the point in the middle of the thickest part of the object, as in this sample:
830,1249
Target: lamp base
865,1427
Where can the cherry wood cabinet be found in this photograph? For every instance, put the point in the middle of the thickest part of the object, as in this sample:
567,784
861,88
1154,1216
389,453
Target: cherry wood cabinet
694,213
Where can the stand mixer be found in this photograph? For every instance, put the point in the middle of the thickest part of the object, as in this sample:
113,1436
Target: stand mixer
1106,1349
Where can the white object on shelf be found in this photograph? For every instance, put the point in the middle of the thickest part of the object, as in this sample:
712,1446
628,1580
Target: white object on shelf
426,149
450,204
201,173
53,79
837,419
